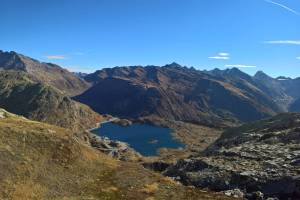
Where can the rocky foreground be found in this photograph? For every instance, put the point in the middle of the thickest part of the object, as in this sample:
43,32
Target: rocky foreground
255,161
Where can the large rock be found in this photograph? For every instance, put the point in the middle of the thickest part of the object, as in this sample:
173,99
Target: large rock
115,149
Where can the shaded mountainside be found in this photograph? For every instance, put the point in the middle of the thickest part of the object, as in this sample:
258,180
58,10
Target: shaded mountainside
295,106
46,73
284,91
257,158
274,89
176,92
41,161
20,95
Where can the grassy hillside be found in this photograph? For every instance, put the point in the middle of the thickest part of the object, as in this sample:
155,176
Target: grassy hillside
41,161
20,95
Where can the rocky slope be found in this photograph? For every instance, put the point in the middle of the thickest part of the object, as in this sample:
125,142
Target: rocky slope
34,100
260,159
41,161
175,92
46,73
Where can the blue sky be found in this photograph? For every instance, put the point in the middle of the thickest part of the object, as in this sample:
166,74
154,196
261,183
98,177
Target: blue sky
85,35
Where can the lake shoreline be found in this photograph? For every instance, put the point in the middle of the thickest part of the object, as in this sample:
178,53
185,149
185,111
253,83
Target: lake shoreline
131,134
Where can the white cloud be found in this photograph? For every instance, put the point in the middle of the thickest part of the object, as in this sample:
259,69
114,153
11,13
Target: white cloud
293,42
56,57
298,58
241,66
221,56
283,6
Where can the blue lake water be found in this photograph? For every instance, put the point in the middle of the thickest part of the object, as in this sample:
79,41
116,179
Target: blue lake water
145,139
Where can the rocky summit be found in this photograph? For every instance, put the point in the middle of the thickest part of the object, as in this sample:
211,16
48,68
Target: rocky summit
258,159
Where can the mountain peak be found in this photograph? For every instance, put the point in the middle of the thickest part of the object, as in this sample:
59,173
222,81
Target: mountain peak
234,71
262,75
173,64
51,74
11,61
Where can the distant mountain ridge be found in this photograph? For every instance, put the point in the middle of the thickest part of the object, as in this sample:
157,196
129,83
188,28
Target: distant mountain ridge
47,73
284,91
218,97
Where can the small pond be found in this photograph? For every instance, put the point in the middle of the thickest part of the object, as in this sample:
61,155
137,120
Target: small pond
145,139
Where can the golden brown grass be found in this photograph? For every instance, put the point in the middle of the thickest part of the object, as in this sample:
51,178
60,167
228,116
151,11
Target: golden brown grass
40,161
150,188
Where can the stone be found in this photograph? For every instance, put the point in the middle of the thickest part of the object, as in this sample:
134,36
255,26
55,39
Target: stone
115,149
236,193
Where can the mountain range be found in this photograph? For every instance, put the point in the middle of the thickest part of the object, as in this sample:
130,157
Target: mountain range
214,98
220,98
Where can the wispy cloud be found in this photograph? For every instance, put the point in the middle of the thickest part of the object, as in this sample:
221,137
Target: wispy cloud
224,54
293,42
283,6
298,58
56,57
241,66
221,56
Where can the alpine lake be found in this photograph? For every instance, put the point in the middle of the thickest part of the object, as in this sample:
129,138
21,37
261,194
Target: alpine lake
145,139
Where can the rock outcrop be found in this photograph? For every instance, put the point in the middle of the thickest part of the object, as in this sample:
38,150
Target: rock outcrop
115,149
259,157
